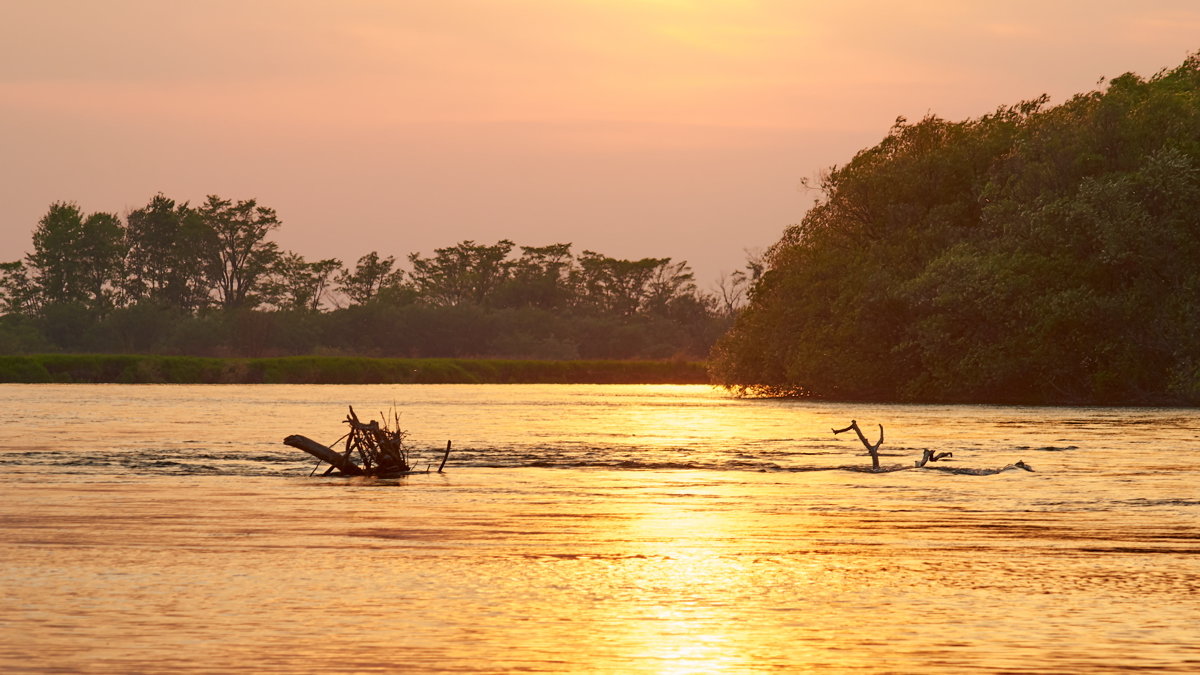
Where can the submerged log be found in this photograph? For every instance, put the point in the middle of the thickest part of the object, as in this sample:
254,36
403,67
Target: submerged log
371,449
323,453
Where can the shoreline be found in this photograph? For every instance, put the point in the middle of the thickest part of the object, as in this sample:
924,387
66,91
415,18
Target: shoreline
152,369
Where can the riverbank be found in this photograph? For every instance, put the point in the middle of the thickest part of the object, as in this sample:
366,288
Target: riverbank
148,369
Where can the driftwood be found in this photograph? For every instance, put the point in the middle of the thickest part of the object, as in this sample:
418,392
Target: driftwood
926,457
379,449
931,456
872,450
323,453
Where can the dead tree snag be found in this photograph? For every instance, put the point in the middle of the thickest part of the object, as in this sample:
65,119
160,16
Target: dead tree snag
872,450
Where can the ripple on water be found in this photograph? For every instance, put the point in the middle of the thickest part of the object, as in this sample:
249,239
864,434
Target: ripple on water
601,529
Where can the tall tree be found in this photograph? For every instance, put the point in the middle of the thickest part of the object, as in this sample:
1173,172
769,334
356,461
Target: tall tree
732,289
613,286
668,283
539,278
162,265
18,295
76,259
296,284
371,275
466,273
238,254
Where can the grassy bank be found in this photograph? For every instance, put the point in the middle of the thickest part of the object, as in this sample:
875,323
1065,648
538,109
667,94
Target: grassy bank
133,369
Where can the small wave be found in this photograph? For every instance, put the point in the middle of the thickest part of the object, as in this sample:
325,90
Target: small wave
277,458
83,461
855,468
964,471
1159,502
1142,550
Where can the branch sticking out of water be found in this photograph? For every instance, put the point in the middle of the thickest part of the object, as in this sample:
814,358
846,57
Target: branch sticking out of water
443,464
872,450
931,456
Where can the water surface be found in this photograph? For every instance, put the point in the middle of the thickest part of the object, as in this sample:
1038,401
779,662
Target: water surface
633,529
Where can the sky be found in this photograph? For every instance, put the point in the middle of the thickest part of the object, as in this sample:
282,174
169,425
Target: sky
634,128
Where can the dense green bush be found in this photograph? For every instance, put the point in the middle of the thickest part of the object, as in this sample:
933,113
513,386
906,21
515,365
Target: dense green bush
23,369
126,368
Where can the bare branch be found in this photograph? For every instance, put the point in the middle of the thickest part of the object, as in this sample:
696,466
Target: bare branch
872,450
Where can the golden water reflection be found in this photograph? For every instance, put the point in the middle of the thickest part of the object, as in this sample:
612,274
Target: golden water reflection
684,589
129,546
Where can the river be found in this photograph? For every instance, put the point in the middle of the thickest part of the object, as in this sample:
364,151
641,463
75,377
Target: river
613,529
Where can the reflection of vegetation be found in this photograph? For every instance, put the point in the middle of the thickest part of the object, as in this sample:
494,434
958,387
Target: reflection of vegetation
1032,255
339,370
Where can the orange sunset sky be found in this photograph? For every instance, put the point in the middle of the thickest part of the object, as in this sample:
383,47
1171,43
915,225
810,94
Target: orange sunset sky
631,127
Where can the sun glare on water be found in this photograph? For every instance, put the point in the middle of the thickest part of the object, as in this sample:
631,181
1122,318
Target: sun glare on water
684,546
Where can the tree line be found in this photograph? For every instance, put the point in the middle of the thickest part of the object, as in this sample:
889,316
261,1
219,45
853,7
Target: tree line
1037,254
174,278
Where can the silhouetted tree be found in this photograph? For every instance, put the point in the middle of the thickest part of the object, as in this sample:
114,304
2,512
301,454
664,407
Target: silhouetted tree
465,273
371,276
297,285
76,259
238,254
539,278
162,260
18,295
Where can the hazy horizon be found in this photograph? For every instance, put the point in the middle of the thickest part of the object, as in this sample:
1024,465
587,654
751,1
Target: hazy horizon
636,128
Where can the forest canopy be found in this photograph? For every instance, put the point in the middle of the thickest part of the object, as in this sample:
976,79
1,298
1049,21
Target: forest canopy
207,280
1036,254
